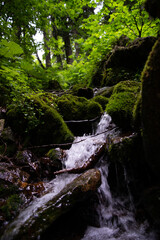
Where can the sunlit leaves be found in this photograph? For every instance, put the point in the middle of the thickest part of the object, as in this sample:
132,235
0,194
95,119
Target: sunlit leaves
10,49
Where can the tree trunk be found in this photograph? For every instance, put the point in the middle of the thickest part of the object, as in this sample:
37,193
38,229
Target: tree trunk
68,49
55,35
47,50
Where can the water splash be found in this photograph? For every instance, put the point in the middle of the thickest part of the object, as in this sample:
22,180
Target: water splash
79,153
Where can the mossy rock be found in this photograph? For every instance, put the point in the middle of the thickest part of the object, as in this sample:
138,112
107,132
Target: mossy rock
105,91
78,108
101,100
115,75
120,108
129,86
121,103
11,201
123,62
74,193
82,91
137,113
122,150
151,109
37,123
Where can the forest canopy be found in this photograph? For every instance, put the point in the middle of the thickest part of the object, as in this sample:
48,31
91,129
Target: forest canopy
76,36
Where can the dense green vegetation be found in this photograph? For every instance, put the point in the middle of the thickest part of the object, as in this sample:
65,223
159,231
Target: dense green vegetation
76,36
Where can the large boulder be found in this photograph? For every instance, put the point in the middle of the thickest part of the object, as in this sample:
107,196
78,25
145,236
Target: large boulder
123,63
77,191
151,109
121,103
78,108
37,123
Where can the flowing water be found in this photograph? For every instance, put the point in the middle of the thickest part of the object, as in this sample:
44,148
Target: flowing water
115,215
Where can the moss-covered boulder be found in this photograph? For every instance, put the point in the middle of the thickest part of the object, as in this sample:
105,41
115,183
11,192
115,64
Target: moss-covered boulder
37,123
78,108
82,91
121,103
10,201
78,112
151,109
137,113
35,224
101,100
123,63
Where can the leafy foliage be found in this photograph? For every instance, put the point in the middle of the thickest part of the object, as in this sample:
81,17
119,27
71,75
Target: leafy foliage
77,35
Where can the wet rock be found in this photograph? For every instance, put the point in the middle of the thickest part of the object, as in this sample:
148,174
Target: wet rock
8,144
29,163
12,174
77,191
105,91
31,189
127,168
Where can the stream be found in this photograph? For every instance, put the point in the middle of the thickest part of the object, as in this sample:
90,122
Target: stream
115,214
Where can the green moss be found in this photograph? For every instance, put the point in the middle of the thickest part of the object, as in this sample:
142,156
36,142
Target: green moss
121,151
121,103
11,206
94,109
120,108
78,108
129,86
115,75
7,189
38,123
137,113
101,100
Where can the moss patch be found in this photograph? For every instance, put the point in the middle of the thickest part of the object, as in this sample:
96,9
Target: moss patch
129,86
78,108
101,100
121,103
38,123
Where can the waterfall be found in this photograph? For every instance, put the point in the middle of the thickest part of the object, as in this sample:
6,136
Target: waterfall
115,215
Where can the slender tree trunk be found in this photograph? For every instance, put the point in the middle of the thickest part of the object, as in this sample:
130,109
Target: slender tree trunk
68,49
39,60
47,50
55,35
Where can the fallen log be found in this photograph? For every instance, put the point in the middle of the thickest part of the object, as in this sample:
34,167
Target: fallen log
90,163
